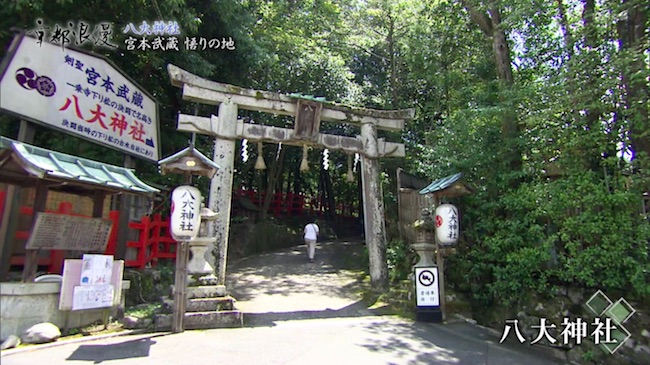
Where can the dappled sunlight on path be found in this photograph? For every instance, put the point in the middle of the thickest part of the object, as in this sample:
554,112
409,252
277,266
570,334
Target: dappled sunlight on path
286,282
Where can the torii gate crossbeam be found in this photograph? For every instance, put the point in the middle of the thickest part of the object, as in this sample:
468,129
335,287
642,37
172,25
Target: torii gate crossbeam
226,128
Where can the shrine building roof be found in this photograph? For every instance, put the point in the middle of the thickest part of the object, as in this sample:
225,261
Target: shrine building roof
451,186
23,164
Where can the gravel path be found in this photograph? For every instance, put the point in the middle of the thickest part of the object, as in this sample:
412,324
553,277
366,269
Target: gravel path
284,285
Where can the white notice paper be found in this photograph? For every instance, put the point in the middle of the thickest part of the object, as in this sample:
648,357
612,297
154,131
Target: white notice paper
96,270
89,297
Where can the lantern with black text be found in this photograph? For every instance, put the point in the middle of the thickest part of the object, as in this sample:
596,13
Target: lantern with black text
185,219
447,224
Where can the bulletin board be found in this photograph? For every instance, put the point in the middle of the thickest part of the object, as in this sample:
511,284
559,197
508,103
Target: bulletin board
70,286
65,232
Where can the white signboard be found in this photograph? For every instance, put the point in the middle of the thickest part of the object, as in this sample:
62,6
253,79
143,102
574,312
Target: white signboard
427,289
80,94
96,269
185,219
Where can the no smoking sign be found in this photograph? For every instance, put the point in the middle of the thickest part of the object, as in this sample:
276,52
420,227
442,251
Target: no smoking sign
426,286
426,278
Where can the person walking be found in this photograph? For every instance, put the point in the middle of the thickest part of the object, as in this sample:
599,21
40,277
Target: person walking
311,236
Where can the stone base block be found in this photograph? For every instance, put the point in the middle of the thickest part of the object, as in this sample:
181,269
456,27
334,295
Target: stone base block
203,291
226,303
202,320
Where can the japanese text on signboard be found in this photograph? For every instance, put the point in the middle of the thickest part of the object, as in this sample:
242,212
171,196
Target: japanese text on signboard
82,95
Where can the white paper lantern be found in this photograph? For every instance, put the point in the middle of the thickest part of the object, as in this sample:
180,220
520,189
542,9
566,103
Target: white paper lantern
185,219
447,224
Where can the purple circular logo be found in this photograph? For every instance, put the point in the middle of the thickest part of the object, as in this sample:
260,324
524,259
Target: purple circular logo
45,86
26,78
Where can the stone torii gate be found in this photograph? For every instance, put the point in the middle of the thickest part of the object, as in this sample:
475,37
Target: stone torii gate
226,128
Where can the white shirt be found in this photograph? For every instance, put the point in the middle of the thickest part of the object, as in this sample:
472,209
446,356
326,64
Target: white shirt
311,231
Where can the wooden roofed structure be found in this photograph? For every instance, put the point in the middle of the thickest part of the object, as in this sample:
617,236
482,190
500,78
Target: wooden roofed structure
30,166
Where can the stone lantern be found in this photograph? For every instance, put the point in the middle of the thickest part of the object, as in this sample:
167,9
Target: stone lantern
424,244
198,264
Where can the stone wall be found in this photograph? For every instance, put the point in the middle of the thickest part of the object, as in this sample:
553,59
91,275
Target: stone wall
23,305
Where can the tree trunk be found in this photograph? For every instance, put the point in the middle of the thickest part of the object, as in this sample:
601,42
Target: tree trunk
632,37
501,49
593,112
297,179
330,207
491,25
289,180
568,49
593,153
566,32
360,200
273,173
390,39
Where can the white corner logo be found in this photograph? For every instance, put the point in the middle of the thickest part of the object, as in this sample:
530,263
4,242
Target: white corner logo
610,336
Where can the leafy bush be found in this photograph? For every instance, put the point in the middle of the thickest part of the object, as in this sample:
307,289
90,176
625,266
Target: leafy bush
548,233
400,260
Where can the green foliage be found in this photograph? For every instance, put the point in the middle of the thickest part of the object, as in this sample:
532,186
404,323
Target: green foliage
571,231
148,285
143,310
569,215
400,260
599,234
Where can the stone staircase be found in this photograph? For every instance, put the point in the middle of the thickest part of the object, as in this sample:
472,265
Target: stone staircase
207,306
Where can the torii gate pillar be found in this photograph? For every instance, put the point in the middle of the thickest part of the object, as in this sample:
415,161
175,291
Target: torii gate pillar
373,208
221,186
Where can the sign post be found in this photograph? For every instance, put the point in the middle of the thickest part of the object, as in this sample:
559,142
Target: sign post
185,219
427,294
184,224
447,221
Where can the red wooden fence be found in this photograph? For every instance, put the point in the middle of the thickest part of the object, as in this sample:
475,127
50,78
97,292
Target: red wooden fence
154,243
154,240
295,205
